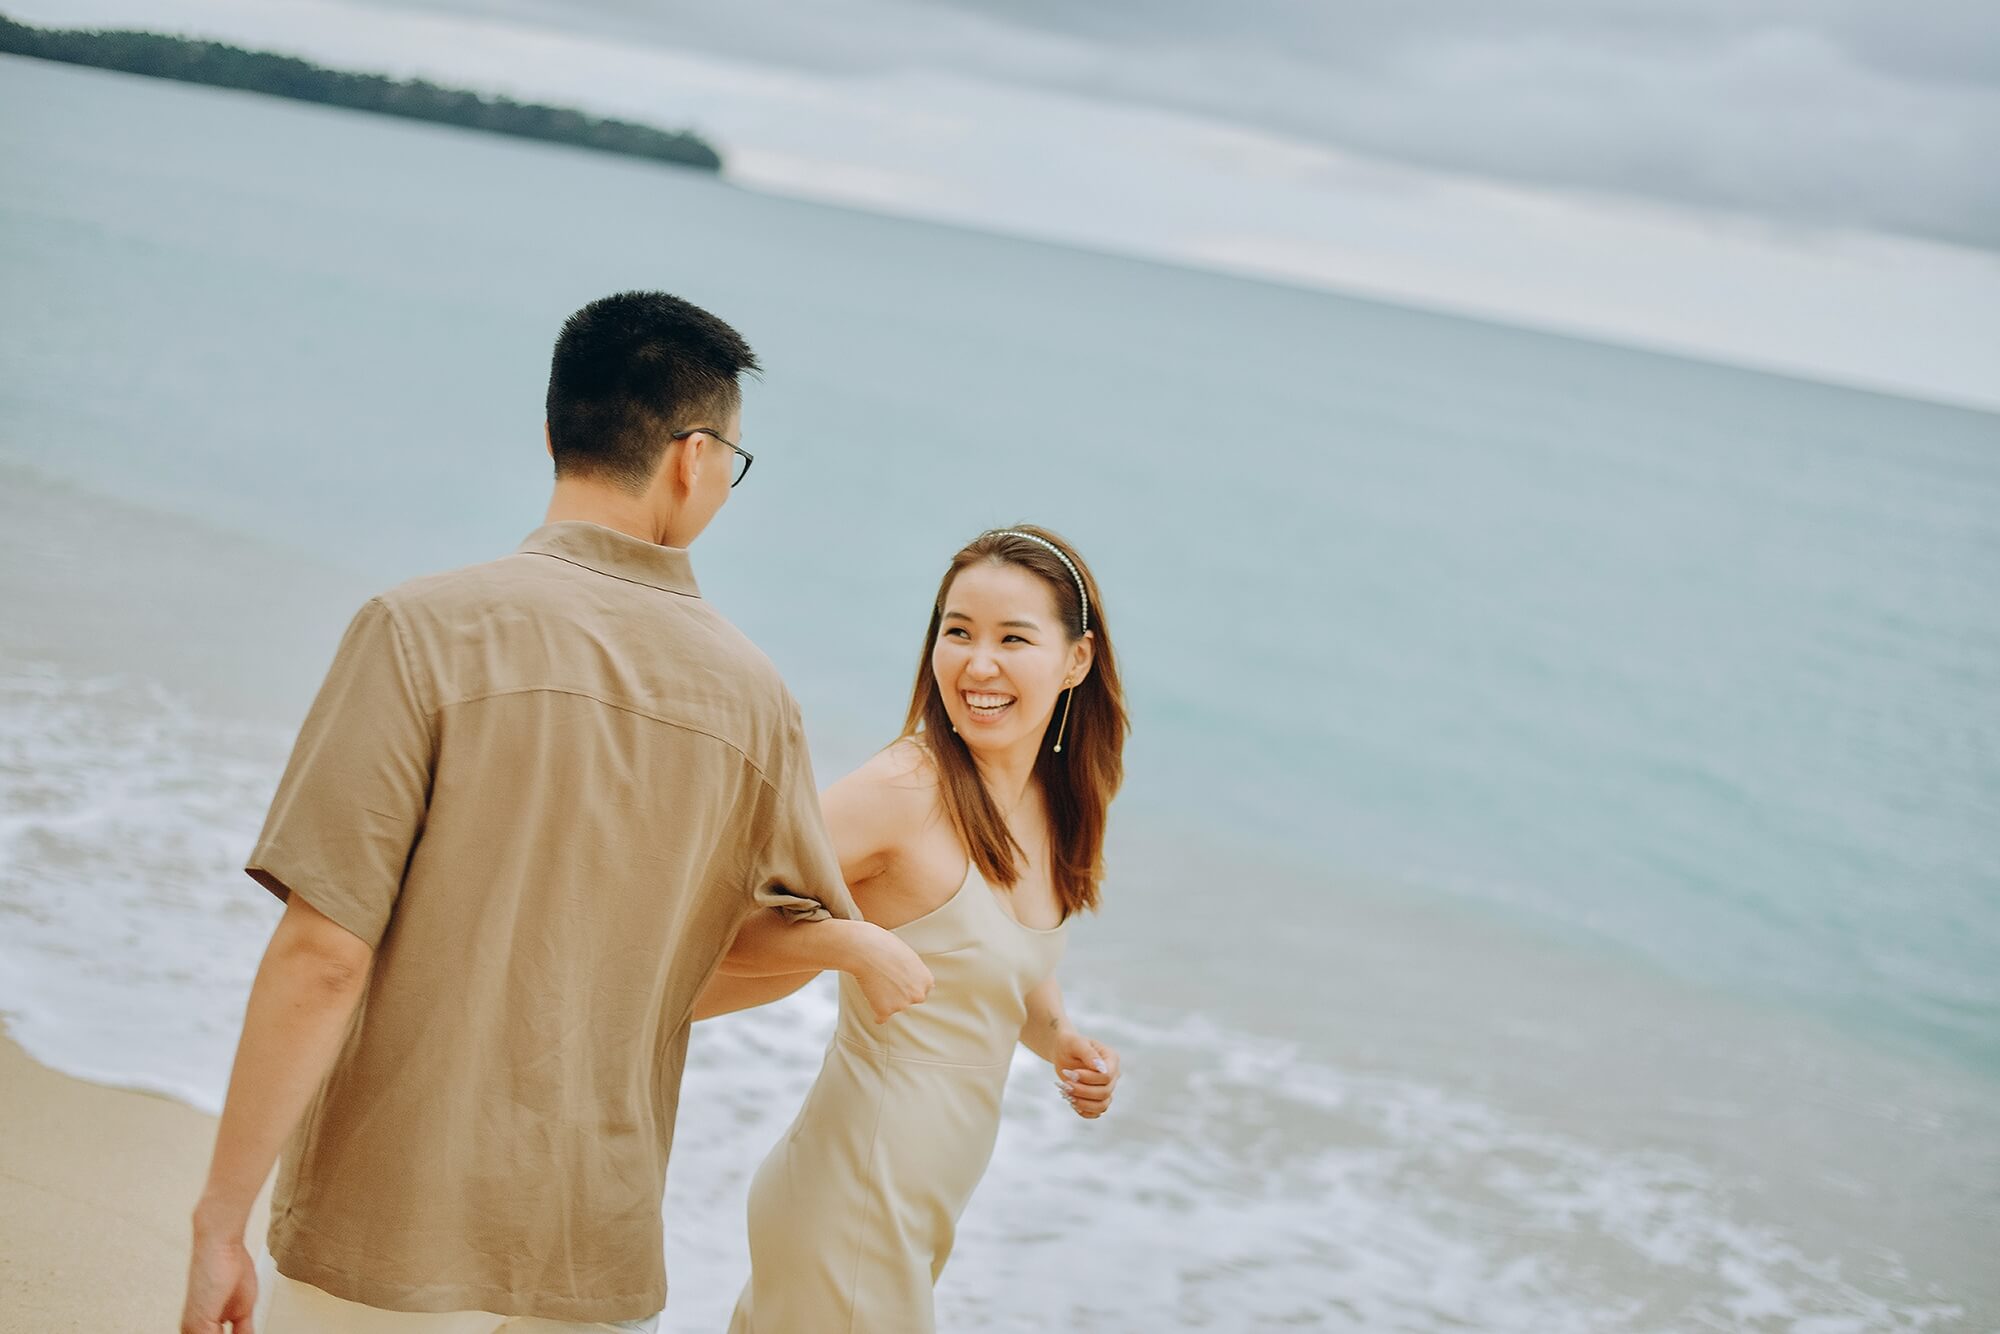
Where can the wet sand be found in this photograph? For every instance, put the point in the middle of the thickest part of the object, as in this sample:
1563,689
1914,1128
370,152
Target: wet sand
96,1187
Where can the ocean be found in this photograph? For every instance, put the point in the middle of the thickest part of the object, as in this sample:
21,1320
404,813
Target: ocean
1557,887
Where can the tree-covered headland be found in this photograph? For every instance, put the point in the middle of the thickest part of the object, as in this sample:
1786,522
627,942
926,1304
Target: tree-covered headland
224,66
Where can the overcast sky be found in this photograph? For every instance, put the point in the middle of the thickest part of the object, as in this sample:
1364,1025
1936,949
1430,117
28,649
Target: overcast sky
1722,180
1881,114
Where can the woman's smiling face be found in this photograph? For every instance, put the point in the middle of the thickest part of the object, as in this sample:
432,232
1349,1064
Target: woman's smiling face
1002,656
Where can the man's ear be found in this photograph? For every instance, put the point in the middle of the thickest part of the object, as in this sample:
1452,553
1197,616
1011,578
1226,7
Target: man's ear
687,468
548,441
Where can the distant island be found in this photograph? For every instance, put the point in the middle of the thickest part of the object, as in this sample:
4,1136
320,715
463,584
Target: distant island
222,66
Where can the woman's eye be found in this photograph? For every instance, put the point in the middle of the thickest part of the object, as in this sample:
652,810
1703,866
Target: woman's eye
1013,639
956,633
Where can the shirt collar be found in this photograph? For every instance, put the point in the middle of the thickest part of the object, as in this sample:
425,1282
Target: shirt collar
619,555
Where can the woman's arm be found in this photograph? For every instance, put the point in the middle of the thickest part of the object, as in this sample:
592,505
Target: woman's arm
1048,1022
1086,1069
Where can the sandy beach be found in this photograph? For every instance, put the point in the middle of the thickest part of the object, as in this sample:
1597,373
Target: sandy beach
95,1189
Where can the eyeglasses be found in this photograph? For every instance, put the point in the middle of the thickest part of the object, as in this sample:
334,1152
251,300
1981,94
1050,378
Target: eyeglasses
743,456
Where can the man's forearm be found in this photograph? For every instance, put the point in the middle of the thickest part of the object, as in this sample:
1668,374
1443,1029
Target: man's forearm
770,945
299,1009
726,995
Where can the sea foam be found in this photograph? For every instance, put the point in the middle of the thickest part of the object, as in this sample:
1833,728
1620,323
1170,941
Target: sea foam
1236,1185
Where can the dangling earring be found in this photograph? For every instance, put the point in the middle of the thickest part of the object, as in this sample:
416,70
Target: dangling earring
1069,693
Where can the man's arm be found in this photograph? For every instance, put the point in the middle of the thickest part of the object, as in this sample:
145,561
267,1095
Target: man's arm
335,845
826,849
770,944
312,976
774,955
726,995
754,971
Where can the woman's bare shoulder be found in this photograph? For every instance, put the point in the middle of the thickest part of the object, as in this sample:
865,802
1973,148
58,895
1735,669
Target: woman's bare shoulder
890,829
902,773
889,800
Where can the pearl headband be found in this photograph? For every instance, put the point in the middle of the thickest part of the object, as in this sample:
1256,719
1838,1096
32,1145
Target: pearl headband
1068,564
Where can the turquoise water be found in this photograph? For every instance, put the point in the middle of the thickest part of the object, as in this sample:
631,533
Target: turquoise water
1610,738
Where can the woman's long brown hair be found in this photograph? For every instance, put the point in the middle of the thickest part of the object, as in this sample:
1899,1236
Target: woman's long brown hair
1079,782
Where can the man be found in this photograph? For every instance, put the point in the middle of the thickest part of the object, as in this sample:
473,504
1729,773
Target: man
531,806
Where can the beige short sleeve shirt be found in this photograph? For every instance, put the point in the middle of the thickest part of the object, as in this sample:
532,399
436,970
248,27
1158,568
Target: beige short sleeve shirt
546,790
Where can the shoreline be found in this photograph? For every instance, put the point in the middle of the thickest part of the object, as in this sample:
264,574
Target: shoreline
96,1188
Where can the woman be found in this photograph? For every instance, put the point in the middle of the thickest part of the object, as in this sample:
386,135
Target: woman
975,837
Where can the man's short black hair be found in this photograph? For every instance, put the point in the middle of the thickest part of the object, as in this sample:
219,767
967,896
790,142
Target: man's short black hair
631,369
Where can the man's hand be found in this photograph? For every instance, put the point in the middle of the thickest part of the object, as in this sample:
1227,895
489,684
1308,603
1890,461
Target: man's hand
222,1287
891,974
1087,1073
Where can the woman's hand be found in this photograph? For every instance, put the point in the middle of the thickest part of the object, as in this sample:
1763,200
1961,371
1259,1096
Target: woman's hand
893,976
1087,1073
773,956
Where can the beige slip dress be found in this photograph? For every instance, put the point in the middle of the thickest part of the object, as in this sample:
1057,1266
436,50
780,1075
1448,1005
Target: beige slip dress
852,1215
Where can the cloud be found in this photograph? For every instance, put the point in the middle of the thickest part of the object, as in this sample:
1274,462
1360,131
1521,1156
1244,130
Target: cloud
1782,123
1849,113
876,127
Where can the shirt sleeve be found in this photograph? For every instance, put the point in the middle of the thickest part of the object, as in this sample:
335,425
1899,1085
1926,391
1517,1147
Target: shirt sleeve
797,871
352,802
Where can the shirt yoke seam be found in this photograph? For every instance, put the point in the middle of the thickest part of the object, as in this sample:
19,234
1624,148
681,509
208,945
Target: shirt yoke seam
681,723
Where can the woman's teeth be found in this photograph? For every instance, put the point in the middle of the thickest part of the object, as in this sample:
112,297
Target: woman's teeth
987,706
